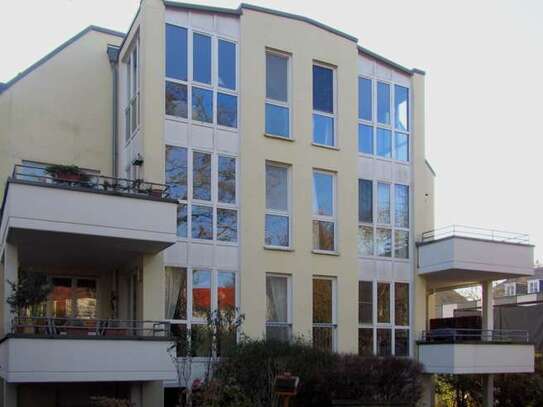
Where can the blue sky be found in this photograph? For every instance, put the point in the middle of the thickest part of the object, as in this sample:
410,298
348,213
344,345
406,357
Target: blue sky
484,64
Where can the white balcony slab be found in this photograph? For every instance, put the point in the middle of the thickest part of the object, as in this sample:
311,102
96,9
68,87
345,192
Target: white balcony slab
476,358
38,359
460,260
132,223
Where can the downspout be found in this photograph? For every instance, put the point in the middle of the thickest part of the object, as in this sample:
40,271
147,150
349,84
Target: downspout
113,54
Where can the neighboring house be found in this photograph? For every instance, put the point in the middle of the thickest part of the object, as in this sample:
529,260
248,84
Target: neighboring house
520,286
228,157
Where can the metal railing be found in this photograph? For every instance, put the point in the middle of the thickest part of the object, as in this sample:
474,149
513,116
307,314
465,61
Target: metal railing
88,180
452,335
61,327
475,233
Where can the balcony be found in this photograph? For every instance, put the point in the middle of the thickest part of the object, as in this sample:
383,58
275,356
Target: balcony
476,351
86,210
461,255
81,350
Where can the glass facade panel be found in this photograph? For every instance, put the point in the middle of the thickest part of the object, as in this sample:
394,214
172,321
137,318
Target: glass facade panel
277,299
365,302
383,103
176,100
176,172
401,244
401,108
201,58
182,220
322,301
202,105
201,176
277,120
201,293
323,194
227,179
383,203
365,139
384,342
401,303
277,231
365,341
323,235
323,89
383,302
365,240
401,339
202,222
383,242
227,64
401,146
227,110
276,187
364,99
365,201
226,291
401,203
176,293
384,143
277,77
176,52
227,225
323,130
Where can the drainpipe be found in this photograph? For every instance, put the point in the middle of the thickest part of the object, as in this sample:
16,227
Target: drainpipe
113,54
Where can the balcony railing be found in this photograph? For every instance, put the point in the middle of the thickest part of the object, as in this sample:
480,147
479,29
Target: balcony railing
451,335
66,327
475,233
89,181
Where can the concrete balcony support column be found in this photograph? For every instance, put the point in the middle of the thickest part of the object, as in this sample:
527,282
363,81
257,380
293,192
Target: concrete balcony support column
488,390
10,271
487,304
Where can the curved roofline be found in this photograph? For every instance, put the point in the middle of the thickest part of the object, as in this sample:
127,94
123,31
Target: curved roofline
40,62
239,11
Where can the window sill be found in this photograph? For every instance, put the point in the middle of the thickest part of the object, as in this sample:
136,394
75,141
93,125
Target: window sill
325,252
325,146
273,136
279,248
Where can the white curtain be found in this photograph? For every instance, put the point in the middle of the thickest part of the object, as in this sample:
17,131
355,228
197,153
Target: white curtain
175,278
276,291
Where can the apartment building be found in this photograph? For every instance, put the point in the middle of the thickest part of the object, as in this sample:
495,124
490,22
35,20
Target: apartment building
227,159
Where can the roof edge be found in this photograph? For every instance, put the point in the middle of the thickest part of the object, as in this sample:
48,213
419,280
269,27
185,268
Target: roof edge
202,7
54,52
298,18
386,61
430,168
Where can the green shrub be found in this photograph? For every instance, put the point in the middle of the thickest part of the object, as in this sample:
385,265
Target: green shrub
324,376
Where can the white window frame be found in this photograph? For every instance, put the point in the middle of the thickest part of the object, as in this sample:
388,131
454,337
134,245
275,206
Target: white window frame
190,320
374,123
279,103
133,89
213,86
334,115
288,323
275,212
324,218
533,286
334,323
371,123
392,226
510,289
391,325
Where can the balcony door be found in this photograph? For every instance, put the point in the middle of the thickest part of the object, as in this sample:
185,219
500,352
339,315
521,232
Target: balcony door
72,297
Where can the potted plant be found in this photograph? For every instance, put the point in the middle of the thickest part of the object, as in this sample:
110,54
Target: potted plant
28,298
67,173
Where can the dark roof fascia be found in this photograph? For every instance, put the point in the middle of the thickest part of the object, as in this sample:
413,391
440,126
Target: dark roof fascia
61,47
113,53
129,29
299,18
201,7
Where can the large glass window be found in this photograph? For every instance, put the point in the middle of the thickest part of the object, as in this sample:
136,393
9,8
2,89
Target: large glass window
383,242
401,339
383,302
182,220
384,341
278,325
202,222
201,293
176,99
277,232
401,303
365,139
227,179
227,64
201,58
401,146
176,172
132,105
227,110
383,203
226,291
364,99
176,293
365,302
202,105
227,225
277,95
383,103
323,106
401,212
323,211
73,298
384,143
201,176
401,108
323,314
365,201
365,341
176,52
365,240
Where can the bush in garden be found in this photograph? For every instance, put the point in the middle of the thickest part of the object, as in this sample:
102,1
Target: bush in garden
324,376
512,390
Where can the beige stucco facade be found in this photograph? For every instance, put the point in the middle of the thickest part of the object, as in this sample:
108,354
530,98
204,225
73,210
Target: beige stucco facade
62,112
